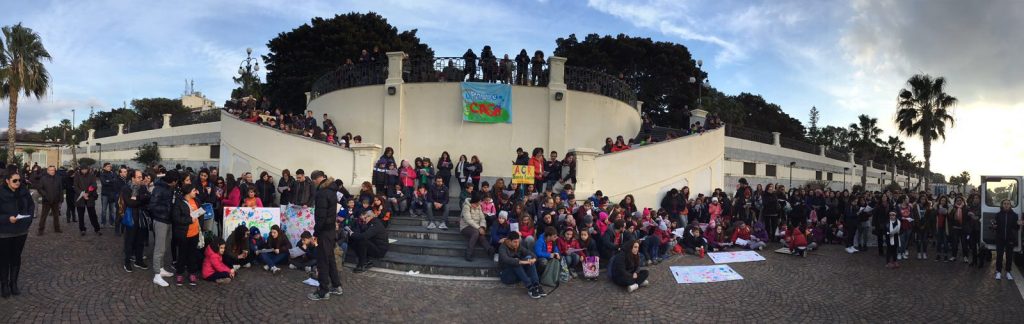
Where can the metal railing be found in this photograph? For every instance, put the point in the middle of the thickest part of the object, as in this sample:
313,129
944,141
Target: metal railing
799,145
456,69
202,117
836,155
596,82
749,134
349,76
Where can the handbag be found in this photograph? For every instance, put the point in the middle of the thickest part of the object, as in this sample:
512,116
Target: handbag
127,220
591,265
551,273
563,273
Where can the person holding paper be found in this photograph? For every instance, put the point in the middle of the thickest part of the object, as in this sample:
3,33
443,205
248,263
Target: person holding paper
134,197
570,247
325,231
185,214
85,199
16,210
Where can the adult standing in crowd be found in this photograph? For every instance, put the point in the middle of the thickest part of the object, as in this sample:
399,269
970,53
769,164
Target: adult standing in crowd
1005,225
134,196
265,189
325,230
159,210
16,214
284,187
85,201
68,186
49,188
302,190
185,213
108,206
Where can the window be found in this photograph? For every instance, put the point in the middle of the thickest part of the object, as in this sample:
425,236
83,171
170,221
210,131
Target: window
998,189
214,151
749,168
830,176
769,170
817,175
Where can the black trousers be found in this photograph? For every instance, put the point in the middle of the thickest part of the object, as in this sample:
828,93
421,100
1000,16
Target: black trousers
626,279
135,242
188,254
366,249
92,218
1007,250
326,264
10,257
69,212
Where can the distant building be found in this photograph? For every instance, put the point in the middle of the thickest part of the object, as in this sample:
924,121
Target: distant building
196,101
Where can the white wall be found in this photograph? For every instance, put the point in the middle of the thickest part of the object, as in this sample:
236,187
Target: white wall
188,145
203,128
648,172
430,121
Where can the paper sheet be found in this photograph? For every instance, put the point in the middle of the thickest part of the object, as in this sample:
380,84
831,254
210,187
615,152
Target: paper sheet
735,256
704,274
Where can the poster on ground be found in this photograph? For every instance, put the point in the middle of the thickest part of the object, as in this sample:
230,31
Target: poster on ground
704,274
295,220
486,102
522,174
261,218
735,256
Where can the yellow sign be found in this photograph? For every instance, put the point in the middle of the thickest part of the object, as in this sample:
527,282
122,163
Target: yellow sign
522,174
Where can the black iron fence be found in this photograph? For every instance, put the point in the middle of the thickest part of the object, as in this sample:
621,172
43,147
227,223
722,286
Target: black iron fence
800,146
202,117
349,76
457,69
208,116
749,134
596,82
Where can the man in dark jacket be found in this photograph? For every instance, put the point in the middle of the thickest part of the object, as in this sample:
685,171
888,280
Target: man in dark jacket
302,190
552,171
68,176
135,197
159,210
611,240
519,264
437,199
325,231
49,188
107,202
85,199
369,240
1006,224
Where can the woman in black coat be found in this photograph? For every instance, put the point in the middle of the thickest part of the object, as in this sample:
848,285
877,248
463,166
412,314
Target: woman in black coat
625,268
16,215
265,189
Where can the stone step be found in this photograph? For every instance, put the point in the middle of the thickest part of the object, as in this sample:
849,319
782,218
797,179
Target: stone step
438,265
435,247
421,221
422,233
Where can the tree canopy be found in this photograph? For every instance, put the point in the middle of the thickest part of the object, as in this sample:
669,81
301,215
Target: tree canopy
298,57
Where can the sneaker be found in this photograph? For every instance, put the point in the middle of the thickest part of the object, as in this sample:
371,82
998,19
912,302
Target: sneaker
266,267
247,265
645,283
1009,276
431,226
495,257
128,267
966,260
191,280
292,266
275,270
236,267
532,292
142,265
633,287
179,281
924,256
855,250
442,226
540,291
165,273
849,250
999,276
308,269
368,265
316,296
335,291
159,281
224,281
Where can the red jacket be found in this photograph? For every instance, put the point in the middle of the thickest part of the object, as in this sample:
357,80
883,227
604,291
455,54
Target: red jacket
663,236
796,238
538,168
741,232
213,263
564,246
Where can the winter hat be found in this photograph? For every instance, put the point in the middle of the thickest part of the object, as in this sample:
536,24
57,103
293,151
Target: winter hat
503,215
647,212
714,199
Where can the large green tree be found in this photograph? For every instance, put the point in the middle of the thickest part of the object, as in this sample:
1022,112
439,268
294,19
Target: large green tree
298,57
865,142
155,108
923,109
21,71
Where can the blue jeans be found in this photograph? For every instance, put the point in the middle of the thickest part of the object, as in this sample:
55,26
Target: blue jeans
435,215
650,247
904,238
527,273
109,205
273,259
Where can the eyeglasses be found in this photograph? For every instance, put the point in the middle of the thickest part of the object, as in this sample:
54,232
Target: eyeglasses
15,180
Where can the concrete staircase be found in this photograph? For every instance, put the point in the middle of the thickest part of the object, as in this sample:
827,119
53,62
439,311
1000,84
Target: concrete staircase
432,251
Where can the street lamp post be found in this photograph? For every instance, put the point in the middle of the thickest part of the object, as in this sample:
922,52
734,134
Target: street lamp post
791,165
700,83
246,69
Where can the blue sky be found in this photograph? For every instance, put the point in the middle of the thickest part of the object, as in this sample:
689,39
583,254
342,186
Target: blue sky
845,57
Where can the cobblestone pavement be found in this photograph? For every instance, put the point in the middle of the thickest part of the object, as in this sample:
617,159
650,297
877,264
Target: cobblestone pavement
68,278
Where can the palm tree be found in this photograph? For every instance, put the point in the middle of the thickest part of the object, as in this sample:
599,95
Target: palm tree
923,110
864,142
21,70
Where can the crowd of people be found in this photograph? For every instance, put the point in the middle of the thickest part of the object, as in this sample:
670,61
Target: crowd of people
298,124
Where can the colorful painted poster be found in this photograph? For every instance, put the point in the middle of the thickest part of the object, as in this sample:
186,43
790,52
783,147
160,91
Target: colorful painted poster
261,218
735,256
703,274
295,220
486,102
522,174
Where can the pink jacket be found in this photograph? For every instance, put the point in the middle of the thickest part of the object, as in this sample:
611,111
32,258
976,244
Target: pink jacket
408,176
716,211
213,263
234,198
